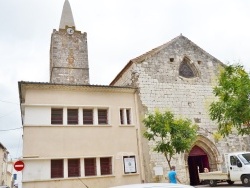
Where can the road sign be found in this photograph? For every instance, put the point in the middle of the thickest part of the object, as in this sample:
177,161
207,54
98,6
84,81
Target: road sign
18,165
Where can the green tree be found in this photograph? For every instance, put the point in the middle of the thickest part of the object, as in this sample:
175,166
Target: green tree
232,107
170,135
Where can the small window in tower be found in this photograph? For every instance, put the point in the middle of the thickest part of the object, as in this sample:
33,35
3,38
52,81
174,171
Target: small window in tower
171,59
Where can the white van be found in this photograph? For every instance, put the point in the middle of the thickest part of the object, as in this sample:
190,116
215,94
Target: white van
236,167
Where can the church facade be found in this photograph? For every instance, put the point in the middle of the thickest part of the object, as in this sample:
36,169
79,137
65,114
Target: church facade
77,134
179,76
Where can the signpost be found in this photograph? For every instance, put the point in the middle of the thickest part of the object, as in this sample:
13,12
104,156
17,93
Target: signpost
18,165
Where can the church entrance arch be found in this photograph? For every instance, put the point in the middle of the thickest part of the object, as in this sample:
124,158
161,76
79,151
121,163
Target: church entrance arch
203,154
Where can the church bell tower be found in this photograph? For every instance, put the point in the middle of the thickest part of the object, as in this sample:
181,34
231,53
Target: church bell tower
68,52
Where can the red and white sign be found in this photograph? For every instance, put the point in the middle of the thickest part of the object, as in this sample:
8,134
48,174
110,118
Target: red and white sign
18,165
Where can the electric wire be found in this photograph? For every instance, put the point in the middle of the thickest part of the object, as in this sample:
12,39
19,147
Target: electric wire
1,130
9,102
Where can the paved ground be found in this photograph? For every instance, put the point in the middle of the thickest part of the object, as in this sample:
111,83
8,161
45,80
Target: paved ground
221,185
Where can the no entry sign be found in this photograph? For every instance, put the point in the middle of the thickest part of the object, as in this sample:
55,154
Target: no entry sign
18,165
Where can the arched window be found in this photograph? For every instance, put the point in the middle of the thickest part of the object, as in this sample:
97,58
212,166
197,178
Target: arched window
186,70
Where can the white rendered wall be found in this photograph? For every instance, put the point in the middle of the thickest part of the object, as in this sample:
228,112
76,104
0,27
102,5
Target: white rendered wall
36,170
35,115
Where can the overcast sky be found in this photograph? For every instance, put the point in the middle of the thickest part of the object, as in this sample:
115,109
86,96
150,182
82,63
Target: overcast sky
117,30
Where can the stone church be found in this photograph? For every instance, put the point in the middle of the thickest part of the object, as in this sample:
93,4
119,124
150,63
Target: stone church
93,135
179,76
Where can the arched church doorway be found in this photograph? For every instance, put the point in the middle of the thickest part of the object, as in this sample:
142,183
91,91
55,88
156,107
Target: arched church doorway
197,160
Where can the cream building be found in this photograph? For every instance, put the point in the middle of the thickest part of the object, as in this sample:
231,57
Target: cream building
5,167
76,134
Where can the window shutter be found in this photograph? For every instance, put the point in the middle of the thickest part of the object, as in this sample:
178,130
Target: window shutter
87,116
56,116
90,166
106,165
57,168
72,116
102,116
73,167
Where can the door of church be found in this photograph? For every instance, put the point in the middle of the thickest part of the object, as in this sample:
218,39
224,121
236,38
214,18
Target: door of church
197,160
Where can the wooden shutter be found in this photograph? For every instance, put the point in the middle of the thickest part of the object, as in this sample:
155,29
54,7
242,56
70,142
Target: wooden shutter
73,116
121,116
128,114
56,116
90,166
73,167
87,116
106,165
57,168
102,116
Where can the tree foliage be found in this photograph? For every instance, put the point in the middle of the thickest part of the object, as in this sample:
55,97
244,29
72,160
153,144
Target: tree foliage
170,135
232,109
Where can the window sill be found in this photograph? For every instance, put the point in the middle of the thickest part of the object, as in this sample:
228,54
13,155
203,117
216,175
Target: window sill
130,125
131,174
68,125
71,178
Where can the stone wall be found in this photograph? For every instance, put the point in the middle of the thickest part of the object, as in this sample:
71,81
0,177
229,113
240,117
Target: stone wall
162,87
69,58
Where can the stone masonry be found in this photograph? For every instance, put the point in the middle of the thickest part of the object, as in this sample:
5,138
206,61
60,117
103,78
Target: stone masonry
162,85
69,58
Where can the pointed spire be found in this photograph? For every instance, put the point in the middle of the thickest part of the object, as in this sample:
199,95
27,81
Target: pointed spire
67,16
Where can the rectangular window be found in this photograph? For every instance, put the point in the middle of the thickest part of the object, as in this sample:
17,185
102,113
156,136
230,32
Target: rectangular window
106,165
56,116
73,116
125,116
128,116
90,166
102,116
73,167
57,168
87,116
121,116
